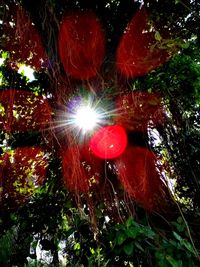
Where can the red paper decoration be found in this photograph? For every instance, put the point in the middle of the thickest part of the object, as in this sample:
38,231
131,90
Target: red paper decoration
81,44
21,172
137,110
23,111
109,142
81,170
137,52
23,41
140,178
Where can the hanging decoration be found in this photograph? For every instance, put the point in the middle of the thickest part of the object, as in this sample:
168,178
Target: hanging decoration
140,177
139,52
109,142
138,111
23,41
81,170
81,44
22,111
21,171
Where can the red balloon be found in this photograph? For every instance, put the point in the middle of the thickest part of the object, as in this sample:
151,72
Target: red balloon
141,180
81,44
137,52
139,110
21,172
109,142
23,111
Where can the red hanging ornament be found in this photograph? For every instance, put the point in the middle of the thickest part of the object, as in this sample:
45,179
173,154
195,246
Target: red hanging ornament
81,170
21,172
109,142
139,110
141,180
23,111
138,52
23,41
81,44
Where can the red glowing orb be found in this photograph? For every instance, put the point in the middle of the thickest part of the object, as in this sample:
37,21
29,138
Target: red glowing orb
109,142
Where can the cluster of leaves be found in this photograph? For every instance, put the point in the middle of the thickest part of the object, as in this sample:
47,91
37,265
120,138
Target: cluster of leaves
141,245
181,132
41,221
125,244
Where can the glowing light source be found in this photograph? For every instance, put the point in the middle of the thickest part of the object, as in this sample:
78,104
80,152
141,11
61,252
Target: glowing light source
86,118
109,142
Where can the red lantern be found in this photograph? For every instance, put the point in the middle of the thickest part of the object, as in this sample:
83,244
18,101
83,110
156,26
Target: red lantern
109,142
23,111
21,172
139,110
137,52
23,41
141,180
81,45
81,170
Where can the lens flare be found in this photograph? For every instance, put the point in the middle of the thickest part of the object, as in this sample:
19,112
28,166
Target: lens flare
86,118
109,142
83,115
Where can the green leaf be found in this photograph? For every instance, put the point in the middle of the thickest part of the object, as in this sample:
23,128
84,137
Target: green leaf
139,246
4,55
173,243
177,236
130,222
186,244
157,36
132,232
121,237
173,262
34,244
149,233
185,45
162,262
77,246
128,249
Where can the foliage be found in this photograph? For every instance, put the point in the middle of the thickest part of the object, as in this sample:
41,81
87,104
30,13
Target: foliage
134,242
181,135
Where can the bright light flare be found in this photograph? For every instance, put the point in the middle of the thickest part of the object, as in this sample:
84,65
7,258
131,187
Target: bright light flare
86,118
84,115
